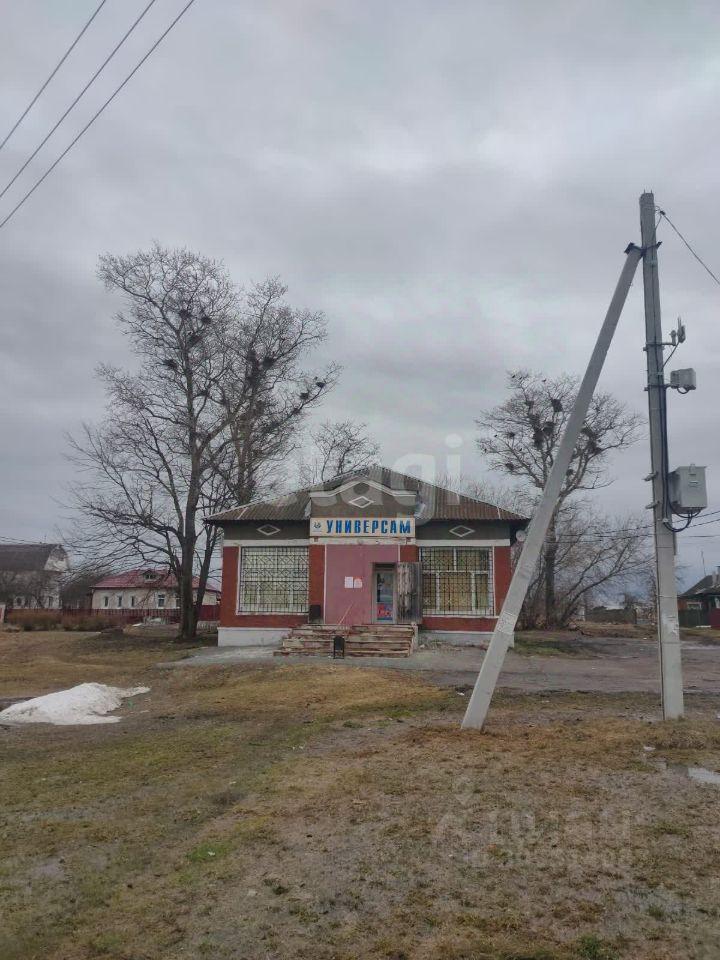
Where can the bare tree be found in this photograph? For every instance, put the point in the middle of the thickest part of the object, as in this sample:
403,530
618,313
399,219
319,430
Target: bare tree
505,496
8,586
521,437
214,408
76,585
596,556
339,446
33,586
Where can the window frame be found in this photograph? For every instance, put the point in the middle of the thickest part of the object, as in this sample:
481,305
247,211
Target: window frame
298,593
436,610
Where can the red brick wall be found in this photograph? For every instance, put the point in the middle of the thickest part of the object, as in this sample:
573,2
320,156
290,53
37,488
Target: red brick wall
265,620
316,573
229,617
471,624
409,553
502,574
228,596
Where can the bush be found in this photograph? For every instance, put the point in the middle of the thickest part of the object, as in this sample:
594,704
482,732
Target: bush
88,621
29,620
36,619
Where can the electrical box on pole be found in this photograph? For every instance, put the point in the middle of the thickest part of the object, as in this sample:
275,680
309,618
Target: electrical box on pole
683,380
687,491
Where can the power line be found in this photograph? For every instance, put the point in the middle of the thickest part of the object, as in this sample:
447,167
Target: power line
625,531
697,256
62,60
95,116
82,93
12,540
634,533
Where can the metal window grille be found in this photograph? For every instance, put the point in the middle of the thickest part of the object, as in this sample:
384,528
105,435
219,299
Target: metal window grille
457,580
273,580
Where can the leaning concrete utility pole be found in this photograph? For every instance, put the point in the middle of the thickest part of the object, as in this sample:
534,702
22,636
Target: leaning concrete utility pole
667,609
505,627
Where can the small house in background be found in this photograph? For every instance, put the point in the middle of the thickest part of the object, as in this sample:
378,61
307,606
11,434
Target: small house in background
146,588
31,573
700,605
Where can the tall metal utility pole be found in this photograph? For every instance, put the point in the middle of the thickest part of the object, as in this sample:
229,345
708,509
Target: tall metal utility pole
479,702
667,610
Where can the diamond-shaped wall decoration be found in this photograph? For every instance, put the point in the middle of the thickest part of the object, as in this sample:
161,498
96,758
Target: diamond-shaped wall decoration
461,531
267,530
361,501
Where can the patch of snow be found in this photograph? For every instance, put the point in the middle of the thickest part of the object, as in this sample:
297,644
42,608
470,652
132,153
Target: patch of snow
85,703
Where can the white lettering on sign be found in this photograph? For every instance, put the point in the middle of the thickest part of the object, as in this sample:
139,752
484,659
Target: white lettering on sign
374,527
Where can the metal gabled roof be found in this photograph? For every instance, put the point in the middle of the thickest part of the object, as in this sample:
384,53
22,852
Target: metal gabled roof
27,557
439,503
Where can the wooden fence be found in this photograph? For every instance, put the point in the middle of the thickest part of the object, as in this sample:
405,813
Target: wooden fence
208,613
695,617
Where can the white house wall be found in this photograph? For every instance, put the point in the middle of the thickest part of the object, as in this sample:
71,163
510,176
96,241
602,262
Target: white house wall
144,599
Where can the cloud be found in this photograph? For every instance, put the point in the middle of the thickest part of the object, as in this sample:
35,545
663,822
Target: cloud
454,184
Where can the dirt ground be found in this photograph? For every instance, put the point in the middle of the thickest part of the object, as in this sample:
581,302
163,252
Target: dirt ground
272,810
541,662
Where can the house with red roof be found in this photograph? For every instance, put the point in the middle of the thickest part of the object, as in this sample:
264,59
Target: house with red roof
146,588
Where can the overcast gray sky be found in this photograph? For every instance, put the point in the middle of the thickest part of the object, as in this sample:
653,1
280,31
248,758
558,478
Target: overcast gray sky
452,183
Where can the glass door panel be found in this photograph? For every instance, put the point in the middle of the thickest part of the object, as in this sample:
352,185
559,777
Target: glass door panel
385,596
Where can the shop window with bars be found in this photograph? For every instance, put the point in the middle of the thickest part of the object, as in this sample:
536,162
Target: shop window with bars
457,580
273,580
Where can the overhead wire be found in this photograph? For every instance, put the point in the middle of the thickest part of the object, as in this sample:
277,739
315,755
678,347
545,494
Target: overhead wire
650,526
663,469
664,216
95,116
635,533
77,99
62,60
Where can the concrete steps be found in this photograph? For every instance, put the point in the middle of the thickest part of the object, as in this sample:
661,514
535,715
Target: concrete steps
366,640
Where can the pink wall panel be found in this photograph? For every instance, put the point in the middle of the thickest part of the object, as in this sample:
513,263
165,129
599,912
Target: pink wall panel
345,606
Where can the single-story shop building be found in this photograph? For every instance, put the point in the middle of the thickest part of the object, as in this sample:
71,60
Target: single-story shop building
363,551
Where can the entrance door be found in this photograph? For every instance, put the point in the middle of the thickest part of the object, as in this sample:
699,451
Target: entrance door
384,595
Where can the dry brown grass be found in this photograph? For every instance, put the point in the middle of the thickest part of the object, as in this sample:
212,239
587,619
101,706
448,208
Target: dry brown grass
317,812
43,661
